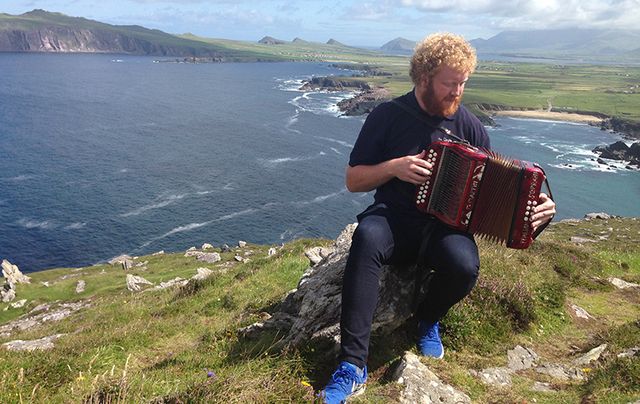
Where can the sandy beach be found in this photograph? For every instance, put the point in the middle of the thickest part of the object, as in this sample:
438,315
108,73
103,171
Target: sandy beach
554,116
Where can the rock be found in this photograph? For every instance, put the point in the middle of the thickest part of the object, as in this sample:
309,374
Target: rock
225,248
208,257
592,355
334,84
560,372
313,309
599,215
206,246
161,252
317,254
620,284
170,284
242,244
272,251
364,102
202,274
520,358
47,313
124,260
12,274
134,283
80,286
38,344
581,240
498,377
238,258
542,387
421,385
18,304
630,353
8,292
621,152
581,313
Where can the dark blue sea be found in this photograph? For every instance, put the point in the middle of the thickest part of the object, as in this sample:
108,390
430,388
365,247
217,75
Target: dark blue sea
102,155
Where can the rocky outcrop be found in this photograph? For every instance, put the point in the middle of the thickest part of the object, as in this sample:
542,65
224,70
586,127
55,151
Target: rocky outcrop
365,102
334,84
312,310
630,129
621,152
12,273
421,385
41,314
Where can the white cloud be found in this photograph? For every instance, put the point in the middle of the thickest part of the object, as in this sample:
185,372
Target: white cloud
539,14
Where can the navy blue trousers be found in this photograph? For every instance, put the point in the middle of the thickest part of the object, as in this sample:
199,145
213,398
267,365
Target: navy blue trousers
385,237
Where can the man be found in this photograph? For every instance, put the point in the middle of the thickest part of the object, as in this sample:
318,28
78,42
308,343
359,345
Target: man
388,157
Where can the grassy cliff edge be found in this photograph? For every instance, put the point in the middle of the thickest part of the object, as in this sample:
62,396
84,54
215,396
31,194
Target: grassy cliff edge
180,344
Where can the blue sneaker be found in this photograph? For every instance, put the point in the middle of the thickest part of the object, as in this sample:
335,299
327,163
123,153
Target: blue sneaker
429,343
346,382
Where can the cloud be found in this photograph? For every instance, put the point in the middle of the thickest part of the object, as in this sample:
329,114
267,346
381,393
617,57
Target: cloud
539,14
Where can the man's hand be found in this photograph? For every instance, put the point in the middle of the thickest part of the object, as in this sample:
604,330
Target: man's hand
413,169
543,213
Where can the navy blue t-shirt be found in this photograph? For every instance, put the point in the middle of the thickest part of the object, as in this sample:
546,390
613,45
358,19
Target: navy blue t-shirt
390,132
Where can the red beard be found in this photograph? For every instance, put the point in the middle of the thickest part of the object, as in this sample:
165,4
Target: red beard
444,107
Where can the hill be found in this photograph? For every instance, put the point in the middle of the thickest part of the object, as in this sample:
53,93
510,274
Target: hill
599,44
574,292
398,46
42,31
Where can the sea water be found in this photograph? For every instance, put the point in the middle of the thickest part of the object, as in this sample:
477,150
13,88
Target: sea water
103,155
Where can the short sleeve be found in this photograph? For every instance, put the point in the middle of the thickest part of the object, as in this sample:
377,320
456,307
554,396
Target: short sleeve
370,145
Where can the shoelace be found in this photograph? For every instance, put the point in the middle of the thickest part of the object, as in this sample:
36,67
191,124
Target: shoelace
344,377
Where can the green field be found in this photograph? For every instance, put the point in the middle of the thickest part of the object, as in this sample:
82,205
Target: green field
181,345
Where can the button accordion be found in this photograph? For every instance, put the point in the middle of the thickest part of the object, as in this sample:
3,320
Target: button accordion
480,192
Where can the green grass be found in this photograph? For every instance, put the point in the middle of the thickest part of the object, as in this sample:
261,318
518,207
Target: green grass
158,346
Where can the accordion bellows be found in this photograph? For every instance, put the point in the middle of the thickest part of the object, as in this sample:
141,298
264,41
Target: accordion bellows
480,192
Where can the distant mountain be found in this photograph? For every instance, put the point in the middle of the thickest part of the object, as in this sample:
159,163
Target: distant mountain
42,31
335,43
595,43
269,40
399,46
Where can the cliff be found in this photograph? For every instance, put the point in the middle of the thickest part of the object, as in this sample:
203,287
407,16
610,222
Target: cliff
42,31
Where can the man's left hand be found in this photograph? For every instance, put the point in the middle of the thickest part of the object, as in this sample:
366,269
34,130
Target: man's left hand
543,213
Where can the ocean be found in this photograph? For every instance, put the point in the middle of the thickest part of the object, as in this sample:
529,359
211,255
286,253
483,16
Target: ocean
104,155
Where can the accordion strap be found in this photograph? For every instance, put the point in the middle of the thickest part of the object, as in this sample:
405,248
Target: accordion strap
424,119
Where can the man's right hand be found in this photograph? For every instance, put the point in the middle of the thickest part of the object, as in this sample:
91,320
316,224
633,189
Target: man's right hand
413,169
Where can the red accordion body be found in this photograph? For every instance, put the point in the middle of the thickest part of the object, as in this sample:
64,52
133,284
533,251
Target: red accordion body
481,192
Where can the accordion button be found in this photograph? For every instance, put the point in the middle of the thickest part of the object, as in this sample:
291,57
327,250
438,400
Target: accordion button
526,219
534,203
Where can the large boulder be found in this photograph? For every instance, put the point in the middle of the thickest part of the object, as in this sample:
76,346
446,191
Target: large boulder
312,310
12,274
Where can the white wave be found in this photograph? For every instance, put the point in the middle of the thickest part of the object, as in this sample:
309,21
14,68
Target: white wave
228,187
319,199
22,177
340,142
75,226
281,160
292,84
35,224
192,226
236,214
336,150
171,199
124,170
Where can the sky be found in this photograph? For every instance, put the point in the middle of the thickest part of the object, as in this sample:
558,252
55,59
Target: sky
355,23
